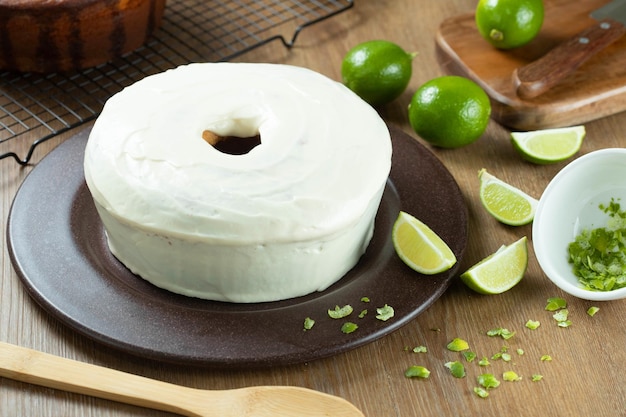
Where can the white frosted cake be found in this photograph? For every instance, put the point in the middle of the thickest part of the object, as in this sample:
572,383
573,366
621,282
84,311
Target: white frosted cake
289,217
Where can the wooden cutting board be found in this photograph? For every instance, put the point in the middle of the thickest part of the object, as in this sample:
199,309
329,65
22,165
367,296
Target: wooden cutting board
596,89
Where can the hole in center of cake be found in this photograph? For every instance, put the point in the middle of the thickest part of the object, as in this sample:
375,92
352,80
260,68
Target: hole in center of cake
232,145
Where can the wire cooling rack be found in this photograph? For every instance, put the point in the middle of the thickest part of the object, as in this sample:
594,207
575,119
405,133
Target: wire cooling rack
38,107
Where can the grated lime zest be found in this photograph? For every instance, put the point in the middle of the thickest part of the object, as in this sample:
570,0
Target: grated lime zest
385,313
308,323
340,312
457,345
417,371
456,369
532,324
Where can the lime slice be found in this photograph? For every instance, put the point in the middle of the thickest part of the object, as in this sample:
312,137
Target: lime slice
419,247
500,271
506,203
549,145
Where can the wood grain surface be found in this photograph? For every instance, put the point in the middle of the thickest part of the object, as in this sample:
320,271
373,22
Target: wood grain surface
586,374
596,89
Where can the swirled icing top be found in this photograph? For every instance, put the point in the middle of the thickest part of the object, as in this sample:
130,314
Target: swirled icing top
323,154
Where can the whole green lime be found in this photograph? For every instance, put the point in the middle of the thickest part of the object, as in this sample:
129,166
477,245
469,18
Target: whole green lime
450,111
378,71
509,24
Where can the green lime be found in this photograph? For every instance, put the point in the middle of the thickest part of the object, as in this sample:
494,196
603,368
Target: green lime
450,111
419,247
377,71
549,145
499,271
508,24
506,203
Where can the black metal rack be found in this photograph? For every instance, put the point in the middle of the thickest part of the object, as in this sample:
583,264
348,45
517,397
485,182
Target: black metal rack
43,106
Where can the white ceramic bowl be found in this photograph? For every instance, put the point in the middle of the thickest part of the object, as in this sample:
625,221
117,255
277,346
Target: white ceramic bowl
568,205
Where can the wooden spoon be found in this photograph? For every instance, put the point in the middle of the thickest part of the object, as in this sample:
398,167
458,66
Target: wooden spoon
40,368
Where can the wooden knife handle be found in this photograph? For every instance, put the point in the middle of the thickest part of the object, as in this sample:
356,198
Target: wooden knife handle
541,75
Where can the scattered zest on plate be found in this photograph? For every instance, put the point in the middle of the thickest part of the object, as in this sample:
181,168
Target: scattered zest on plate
506,203
340,312
548,146
500,271
419,247
385,313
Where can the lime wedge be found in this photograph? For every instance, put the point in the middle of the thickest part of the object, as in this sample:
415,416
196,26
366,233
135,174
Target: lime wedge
506,203
549,145
419,247
500,271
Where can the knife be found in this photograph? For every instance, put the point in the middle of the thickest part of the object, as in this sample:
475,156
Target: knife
541,75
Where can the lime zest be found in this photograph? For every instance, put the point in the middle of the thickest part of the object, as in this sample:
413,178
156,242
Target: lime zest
484,362
349,327
555,303
469,356
457,345
511,376
506,334
340,312
417,371
308,323
385,313
591,311
456,369
561,315
532,324
420,349
488,381
536,377
505,356
546,358
481,392
598,256
561,318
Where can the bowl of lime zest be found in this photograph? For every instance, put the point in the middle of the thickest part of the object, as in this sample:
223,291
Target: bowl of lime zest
579,229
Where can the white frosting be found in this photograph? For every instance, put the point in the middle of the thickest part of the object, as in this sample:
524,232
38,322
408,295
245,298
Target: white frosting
288,218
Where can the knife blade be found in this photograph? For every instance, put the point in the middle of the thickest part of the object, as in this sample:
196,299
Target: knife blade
541,75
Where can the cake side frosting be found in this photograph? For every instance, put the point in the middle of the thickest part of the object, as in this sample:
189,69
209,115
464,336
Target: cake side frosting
288,218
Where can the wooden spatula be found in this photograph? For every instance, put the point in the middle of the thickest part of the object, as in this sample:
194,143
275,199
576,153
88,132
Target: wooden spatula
40,368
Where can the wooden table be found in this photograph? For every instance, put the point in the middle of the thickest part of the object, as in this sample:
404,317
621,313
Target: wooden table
585,377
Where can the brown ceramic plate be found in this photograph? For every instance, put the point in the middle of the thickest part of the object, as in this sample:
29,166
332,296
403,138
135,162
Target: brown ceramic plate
58,248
